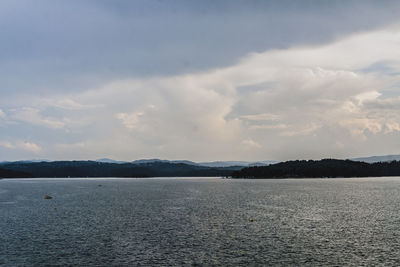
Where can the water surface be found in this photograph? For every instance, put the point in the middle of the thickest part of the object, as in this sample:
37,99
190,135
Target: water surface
200,221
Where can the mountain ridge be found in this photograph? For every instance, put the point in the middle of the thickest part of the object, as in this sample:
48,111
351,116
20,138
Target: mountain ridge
205,163
374,159
218,163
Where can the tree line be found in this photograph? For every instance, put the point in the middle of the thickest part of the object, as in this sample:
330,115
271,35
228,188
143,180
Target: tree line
320,168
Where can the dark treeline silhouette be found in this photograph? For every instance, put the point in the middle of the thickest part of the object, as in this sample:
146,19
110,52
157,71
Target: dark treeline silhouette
320,168
289,169
4,173
99,169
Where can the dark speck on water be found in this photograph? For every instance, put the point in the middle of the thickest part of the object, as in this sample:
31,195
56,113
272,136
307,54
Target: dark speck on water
200,221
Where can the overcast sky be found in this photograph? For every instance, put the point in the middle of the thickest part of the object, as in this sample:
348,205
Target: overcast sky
199,80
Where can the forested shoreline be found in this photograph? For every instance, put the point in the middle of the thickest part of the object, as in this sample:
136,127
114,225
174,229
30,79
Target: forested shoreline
320,168
60,169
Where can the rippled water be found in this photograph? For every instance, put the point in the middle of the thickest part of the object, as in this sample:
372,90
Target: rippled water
169,221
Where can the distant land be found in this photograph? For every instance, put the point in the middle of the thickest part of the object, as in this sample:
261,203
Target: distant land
358,167
205,164
105,169
370,159
321,168
374,159
5,173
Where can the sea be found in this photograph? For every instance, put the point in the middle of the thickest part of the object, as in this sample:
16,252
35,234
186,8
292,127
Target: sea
200,222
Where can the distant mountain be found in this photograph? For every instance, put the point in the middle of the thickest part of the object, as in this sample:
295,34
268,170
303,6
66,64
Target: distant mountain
141,161
374,159
28,161
212,164
236,163
224,163
262,163
217,164
107,160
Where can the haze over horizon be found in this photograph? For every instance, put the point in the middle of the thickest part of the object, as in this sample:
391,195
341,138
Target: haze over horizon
199,80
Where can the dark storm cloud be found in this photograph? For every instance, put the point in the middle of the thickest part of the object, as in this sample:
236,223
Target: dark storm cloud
48,45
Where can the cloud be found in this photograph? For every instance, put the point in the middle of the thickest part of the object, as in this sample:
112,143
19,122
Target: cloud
30,147
298,102
75,45
64,103
32,116
250,144
6,144
130,120
260,117
2,114
310,90
21,145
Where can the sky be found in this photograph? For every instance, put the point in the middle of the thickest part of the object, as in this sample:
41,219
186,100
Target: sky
199,80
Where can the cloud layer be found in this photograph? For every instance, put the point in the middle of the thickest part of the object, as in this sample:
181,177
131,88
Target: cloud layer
301,102
333,97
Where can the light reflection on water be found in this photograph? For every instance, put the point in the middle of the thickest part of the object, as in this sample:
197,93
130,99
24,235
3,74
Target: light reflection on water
175,221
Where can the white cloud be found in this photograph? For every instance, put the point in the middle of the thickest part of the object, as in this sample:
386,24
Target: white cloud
31,147
65,103
33,116
296,102
25,146
78,145
303,130
250,144
260,117
130,120
2,114
6,144
367,96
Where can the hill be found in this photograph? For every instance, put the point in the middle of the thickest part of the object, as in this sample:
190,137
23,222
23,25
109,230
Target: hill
321,168
236,163
104,169
374,159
